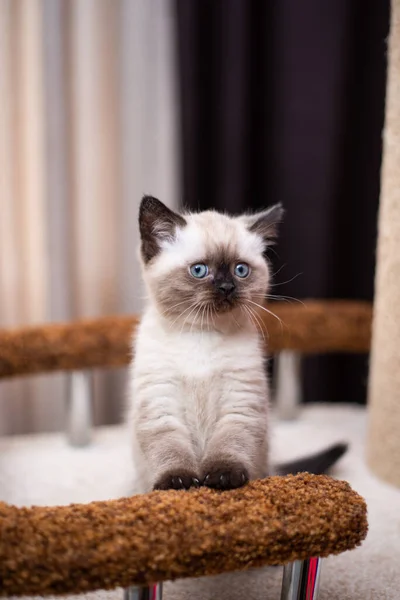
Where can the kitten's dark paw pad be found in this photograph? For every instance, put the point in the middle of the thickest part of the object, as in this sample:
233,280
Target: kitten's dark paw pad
177,481
226,478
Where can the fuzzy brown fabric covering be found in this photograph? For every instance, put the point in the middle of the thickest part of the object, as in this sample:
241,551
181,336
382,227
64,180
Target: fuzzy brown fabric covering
169,535
335,326
78,345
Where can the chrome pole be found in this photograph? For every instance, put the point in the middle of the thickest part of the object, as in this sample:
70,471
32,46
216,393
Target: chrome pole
79,408
287,384
152,592
301,580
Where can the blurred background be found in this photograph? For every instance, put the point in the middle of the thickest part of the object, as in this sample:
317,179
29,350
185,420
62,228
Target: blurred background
230,104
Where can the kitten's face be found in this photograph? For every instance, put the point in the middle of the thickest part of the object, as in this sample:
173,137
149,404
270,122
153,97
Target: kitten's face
199,267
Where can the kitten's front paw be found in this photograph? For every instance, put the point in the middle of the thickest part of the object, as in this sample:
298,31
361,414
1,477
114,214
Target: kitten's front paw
226,476
179,480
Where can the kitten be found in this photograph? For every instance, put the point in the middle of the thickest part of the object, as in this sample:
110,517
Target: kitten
199,405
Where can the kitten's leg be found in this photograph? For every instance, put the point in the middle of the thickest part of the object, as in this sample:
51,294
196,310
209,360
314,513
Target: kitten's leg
236,452
168,456
166,447
164,441
223,468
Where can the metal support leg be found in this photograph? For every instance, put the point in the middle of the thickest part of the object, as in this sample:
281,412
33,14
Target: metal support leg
301,580
152,592
79,408
287,384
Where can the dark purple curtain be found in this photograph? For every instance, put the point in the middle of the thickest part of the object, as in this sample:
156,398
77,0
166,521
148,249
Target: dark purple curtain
284,101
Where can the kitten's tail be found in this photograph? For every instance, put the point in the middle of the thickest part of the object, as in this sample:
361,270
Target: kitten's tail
317,464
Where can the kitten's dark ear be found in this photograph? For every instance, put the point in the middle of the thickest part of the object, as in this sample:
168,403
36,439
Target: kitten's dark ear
157,222
266,222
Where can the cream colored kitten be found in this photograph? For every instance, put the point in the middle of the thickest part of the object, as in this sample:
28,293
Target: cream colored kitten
199,394
198,398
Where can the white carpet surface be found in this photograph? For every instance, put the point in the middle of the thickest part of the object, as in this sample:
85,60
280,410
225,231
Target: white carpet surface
45,470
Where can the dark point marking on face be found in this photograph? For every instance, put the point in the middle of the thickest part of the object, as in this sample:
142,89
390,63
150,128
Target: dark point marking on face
157,222
224,282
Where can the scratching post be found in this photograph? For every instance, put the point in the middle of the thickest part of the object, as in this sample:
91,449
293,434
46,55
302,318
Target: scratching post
383,448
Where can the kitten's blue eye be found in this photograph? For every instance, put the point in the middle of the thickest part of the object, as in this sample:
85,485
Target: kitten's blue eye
242,270
199,270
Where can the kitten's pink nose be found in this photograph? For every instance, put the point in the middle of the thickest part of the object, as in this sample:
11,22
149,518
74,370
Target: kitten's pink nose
226,288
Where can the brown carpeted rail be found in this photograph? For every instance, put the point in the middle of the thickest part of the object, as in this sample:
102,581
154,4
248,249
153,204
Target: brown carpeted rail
169,535
331,326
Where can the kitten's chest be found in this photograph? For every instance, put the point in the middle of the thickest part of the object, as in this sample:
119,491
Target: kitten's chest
208,366
208,371
207,357
197,358
203,371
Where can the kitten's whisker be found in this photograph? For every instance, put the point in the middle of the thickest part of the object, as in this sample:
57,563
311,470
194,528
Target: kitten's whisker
196,312
209,317
276,297
244,309
279,270
272,249
169,309
193,307
284,282
258,321
261,326
287,298
236,321
202,317
268,311
262,298
251,317
199,315
195,317
213,314
182,313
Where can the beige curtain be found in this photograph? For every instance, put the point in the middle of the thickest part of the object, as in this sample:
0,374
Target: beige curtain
88,123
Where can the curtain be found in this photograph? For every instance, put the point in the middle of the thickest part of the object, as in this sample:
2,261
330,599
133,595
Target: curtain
88,123
284,102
